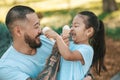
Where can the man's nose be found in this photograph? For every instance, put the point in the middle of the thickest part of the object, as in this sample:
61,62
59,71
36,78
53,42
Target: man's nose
39,30
71,28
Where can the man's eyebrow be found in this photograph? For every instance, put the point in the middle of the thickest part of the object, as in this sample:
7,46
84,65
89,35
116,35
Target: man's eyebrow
75,23
37,23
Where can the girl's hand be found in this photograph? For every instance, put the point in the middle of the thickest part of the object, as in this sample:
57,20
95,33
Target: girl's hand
51,34
66,39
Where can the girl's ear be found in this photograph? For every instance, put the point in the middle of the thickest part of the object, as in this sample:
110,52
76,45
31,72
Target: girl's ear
90,32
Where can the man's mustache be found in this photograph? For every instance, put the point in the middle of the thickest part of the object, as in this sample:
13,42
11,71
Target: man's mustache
38,35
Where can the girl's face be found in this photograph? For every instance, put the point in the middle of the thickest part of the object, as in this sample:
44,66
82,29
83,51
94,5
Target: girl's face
78,29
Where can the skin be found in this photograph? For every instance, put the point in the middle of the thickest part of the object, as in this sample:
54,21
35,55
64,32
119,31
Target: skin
88,78
26,35
28,29
79,31
31,28
80,35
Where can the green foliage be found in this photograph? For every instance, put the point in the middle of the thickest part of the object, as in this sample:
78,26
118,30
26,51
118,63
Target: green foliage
103,15
72,12
92,6
52,12
58,30
5,38
113,33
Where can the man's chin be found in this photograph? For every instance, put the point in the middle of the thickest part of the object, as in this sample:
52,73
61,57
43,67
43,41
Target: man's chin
38,44
38,39
35,45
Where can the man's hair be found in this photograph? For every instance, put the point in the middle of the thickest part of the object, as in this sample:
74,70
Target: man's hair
17,13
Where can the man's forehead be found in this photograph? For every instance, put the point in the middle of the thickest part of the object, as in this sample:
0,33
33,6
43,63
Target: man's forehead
32,17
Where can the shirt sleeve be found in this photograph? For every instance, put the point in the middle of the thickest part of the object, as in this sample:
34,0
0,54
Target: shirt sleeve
44,40
9,73
87,54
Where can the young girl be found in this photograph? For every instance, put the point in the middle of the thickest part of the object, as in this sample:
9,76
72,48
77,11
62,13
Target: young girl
88,44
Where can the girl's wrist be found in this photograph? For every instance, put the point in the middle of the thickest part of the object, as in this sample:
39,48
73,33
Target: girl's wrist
58,37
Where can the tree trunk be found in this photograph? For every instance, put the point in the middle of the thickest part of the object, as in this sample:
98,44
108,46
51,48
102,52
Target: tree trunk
109,5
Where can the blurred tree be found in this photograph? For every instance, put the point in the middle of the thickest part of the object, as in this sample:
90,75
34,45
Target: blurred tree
109,5
69,4
6,2
5,38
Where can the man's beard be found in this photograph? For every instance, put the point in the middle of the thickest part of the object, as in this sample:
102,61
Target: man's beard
32,42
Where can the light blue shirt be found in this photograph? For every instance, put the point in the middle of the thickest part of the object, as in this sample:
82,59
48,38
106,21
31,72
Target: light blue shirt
17,66
75,70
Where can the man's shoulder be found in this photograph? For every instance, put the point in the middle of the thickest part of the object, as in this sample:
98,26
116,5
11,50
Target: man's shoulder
9,57
7,52
45,41
10,73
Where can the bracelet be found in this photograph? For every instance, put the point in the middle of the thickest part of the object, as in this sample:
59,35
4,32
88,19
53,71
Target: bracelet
89,74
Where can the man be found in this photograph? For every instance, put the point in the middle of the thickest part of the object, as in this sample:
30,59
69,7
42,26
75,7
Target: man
27,55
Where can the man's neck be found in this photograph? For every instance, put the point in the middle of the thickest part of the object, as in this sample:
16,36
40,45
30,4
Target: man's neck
24,48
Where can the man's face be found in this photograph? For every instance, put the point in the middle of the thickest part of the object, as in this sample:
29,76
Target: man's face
32,31
32,42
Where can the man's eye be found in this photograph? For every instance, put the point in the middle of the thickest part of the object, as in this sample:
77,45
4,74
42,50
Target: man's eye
75,26
36,27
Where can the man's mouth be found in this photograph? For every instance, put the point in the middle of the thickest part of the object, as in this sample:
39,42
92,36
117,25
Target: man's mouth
38,35
73,34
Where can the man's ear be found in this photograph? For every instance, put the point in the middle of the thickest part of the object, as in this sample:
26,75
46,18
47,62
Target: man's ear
17,31
90,32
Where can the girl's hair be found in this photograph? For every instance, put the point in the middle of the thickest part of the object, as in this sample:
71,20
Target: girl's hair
97,41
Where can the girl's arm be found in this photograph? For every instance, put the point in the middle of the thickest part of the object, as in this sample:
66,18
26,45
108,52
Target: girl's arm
63,48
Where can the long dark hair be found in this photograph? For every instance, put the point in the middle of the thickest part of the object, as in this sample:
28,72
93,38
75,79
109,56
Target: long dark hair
97,41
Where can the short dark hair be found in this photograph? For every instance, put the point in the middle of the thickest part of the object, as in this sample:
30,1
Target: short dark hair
17,13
